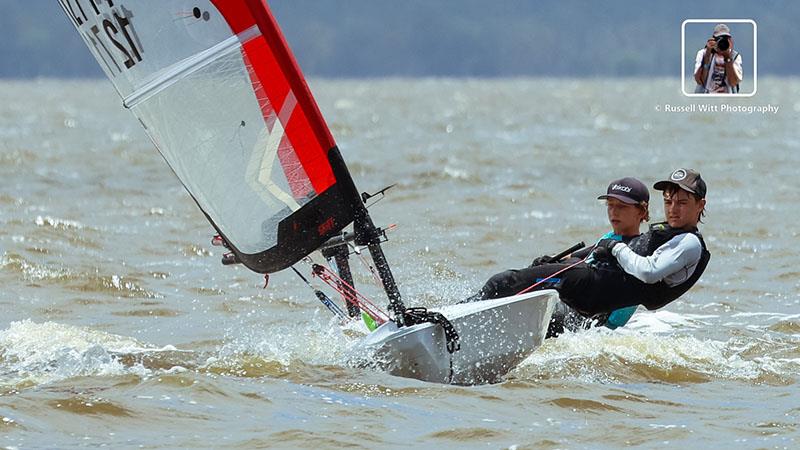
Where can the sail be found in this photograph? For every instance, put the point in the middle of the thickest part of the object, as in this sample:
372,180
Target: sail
218,91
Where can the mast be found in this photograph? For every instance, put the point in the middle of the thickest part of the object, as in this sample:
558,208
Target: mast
367,234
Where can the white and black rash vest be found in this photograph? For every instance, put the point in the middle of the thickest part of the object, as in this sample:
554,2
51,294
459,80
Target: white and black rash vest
656,295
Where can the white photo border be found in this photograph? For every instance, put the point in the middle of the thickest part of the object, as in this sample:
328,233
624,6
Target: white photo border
715,21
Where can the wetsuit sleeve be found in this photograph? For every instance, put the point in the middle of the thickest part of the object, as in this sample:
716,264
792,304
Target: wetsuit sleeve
674,262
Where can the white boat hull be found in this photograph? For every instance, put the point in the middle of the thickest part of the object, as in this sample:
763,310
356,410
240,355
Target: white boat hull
495,336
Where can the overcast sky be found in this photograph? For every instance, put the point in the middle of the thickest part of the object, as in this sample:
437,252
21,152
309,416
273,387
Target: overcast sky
376,38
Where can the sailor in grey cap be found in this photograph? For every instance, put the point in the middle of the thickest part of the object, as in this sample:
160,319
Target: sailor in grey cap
651,269
718,67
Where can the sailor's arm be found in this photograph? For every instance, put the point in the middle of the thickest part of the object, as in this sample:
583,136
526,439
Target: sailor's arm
733,71
679,253
733,67
701,65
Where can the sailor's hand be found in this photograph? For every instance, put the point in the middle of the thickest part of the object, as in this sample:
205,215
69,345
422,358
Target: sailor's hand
602,251
711,46
607,244
544,259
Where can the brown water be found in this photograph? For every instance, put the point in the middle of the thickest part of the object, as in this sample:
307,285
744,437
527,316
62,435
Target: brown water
119,327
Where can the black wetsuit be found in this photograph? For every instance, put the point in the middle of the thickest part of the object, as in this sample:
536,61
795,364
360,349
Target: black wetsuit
600,288
583,287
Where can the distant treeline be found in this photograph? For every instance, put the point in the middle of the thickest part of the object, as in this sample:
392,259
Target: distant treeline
377,38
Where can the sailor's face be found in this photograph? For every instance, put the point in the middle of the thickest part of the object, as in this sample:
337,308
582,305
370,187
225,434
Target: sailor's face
682,209
624,217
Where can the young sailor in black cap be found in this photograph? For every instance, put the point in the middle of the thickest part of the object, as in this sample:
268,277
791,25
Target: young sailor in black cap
652,269
627,206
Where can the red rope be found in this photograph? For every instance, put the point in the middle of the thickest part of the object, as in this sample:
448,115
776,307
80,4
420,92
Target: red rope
349,293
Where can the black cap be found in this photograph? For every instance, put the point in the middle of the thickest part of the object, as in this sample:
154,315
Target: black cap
686,179
628,189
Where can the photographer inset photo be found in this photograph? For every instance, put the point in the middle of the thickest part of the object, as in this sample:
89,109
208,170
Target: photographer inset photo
718,57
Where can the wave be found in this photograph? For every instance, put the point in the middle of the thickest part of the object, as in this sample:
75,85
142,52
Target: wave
76,280
37,353
33,354
659,347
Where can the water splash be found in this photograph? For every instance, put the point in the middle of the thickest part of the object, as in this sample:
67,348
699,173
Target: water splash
274,349
37,353
59,224
656,347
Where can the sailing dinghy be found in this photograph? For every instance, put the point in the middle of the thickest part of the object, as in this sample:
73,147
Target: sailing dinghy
219,93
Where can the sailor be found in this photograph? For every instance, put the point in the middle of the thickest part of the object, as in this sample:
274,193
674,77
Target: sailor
652,269
627,206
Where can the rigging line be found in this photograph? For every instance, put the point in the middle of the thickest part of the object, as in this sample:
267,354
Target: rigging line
551,276
349,292
185,16
371,269
362,298
366,263
305,280
332,307
376,201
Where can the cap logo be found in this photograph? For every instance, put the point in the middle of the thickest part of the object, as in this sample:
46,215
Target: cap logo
678,175
618,187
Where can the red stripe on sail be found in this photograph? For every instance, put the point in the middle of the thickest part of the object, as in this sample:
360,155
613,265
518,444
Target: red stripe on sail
269,28
299,181
275,75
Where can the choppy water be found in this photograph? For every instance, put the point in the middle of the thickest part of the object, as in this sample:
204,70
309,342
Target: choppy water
119,327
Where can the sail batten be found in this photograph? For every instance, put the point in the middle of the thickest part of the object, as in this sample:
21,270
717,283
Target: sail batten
221,96
175,72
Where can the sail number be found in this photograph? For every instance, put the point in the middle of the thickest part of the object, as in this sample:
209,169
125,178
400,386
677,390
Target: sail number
107,27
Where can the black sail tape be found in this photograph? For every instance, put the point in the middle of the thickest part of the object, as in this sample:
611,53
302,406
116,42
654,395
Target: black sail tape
418,315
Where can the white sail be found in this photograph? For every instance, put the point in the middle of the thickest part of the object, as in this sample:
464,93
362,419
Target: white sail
218,92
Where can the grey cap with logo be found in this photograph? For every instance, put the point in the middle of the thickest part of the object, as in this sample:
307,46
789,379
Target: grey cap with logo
686,179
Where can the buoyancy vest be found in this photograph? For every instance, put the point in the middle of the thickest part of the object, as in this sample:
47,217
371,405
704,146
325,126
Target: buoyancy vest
618,317
608,263
656,295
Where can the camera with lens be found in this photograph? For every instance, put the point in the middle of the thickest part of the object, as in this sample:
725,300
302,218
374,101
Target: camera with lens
723,43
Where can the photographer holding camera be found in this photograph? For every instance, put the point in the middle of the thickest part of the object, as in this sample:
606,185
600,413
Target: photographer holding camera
718,67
